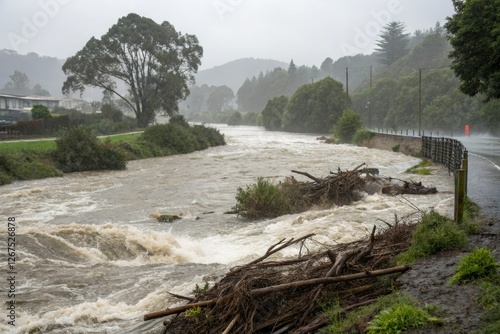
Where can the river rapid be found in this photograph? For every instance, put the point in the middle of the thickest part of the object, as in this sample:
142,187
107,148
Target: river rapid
90,260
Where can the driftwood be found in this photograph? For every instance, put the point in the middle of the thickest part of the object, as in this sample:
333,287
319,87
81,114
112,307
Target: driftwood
413,188
338,188
270,296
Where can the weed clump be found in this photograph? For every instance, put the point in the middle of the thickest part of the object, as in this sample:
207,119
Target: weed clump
434,234
400,317
389,314
480,263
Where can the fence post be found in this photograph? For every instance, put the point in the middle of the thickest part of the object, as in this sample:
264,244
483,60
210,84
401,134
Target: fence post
460,196
465,167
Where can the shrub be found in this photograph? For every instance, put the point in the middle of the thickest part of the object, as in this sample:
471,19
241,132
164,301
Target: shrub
348,124
40,111
111,157
478,264
179,120
26,165
178,137
361,135
267,200
171,138
434,234
396,148
78,149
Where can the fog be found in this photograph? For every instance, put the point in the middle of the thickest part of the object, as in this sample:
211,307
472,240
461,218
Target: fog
305,31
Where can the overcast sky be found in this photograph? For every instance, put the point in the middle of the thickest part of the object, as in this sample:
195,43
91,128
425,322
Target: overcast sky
306,31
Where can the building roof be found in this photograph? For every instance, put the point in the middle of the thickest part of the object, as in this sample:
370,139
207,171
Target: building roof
30,98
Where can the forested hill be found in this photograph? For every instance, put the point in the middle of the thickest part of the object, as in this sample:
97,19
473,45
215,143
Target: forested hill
393,101
45,71
234,73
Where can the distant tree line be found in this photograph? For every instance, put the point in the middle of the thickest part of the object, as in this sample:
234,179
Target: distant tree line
19,84
407,80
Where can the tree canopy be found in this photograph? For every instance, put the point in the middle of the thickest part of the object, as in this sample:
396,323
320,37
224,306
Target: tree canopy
315,107
475,37
220,99
154,61
273,112
393,43
19,84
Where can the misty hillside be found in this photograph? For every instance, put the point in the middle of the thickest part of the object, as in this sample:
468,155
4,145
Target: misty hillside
42,70
47,72
234,73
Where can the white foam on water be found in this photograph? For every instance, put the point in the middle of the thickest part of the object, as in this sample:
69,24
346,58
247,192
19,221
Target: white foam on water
87,314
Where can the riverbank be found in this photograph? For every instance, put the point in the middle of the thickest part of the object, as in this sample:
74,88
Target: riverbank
428,280
428,283
78,150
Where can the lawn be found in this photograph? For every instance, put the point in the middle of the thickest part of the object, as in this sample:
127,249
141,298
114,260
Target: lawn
50,144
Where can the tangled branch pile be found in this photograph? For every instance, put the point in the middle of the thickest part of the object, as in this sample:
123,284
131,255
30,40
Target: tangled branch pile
271,296
338,188
267,200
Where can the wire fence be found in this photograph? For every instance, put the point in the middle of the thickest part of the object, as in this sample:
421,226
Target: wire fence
447,151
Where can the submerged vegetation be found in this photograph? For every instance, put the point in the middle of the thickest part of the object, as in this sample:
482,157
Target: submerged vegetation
421,168
77,149
267,200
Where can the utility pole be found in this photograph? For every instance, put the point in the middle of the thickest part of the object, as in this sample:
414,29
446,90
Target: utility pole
347,80
370,99
419,100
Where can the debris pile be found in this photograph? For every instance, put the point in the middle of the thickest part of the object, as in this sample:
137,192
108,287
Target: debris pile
412,187
284,296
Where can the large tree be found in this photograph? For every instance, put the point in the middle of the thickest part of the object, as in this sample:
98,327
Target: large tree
393,43
18,84
220,99
273,112
315,107
475,36
154,61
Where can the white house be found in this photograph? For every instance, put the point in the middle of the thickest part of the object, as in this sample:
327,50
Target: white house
12,106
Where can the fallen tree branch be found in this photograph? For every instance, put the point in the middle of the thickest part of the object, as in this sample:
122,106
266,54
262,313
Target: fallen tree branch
181,297
271,250
308,175
175,310
328,280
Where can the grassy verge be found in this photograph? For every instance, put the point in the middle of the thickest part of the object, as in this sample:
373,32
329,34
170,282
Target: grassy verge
397,312
80,150
33,146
